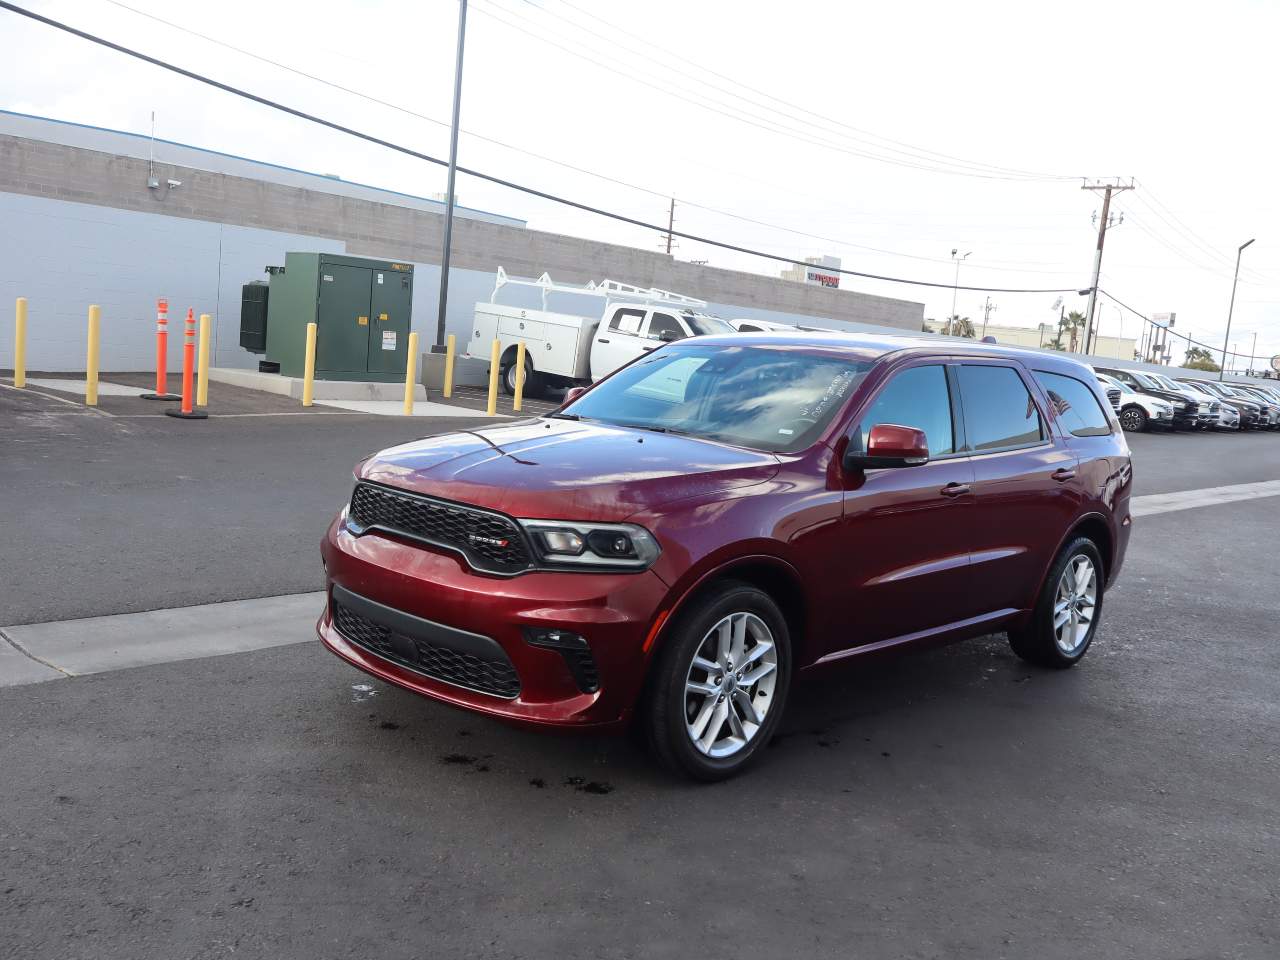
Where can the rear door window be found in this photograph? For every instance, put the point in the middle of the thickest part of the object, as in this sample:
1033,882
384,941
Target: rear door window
1075,405
916,397
999,411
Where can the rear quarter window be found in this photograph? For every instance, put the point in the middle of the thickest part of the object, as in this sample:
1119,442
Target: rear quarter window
1075,404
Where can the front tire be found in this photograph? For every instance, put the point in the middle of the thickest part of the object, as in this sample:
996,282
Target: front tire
1067,612
1133,419
720,685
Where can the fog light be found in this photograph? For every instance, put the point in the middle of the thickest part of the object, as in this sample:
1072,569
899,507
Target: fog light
573,648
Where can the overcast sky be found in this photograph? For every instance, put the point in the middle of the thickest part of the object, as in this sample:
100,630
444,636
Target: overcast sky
987,113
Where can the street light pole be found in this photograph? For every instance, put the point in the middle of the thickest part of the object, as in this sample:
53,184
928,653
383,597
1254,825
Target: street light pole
453,174
1230,309
956,286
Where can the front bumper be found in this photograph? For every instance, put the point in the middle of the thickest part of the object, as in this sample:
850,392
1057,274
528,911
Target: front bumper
614,612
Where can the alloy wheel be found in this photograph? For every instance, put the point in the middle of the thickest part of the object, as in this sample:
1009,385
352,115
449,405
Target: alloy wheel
1131,420
729,687
1074,604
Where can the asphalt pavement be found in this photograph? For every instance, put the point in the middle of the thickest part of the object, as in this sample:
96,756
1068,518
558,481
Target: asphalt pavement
950,803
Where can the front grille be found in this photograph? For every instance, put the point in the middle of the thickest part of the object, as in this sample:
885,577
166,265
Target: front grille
489,541
1113,396
496,677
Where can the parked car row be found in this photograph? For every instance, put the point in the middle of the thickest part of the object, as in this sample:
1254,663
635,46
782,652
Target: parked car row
1143,400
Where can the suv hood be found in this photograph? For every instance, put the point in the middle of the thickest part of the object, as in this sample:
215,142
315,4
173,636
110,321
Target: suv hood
567,470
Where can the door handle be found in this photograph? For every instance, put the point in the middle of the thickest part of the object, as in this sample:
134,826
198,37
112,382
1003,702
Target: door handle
954,489
602,341
1063,474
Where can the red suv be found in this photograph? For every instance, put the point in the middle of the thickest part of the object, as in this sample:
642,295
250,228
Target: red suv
673,545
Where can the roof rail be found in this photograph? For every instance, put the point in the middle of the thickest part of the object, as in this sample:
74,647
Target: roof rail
607,289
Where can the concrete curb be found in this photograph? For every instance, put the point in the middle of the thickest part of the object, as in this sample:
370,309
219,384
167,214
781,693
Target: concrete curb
37,652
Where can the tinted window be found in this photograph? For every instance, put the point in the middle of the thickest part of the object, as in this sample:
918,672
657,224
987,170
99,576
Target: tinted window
1075,404
998,409
661,323
627,321
916,397
748,328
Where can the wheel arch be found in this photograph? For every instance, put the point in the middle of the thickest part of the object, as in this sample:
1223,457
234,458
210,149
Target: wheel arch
769,574
1094,526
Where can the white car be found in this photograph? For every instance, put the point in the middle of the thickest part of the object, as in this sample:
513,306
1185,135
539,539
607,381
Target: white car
1136,411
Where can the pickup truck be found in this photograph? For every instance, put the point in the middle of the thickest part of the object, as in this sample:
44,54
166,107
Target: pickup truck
568,349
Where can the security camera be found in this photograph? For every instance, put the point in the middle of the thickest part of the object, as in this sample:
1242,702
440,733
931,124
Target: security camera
174,183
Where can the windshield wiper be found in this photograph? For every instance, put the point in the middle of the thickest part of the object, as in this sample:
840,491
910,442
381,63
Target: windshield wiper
654,428
563,416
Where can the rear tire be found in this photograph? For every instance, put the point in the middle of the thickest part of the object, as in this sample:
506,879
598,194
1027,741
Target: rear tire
719,686
1133,419
533,382
1067,613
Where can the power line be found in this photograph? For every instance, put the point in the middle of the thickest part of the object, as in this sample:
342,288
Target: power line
1182,336
538,156
737,114
737,83
340,128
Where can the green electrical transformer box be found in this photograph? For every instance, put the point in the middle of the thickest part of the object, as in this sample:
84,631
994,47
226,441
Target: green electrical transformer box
361,309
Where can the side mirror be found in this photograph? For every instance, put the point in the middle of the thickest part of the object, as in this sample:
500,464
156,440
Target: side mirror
889,445
669,336
573,393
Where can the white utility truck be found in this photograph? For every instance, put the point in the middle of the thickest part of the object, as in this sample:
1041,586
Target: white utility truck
566,349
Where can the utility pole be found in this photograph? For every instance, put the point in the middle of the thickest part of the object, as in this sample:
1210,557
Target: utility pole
450,199
1231,308
986,314
671,222
1107,189
1253,350
956,286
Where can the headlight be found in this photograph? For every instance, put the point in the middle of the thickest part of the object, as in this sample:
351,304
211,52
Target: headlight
612,545
1180,406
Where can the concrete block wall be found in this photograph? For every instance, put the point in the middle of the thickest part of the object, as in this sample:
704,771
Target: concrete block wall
212,234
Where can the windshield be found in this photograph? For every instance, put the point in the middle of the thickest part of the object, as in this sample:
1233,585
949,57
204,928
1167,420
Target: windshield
1163,381
1146,380
773,398
1110,384
704,326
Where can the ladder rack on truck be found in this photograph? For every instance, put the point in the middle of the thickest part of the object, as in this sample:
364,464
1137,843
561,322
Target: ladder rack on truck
609,289
563,349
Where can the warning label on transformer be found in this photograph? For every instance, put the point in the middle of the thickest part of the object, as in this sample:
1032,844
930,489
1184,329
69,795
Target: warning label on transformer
388,339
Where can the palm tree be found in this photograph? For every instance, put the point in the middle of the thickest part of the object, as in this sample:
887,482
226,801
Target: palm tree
1072,323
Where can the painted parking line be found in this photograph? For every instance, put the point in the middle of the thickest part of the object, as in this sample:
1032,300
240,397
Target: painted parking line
36,652
1205,497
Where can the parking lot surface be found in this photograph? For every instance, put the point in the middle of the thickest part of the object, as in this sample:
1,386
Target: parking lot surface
951,803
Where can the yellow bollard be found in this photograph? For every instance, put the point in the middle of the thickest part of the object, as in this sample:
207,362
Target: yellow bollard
91,366
493,376
410,374
20,343
309,368
451,343
202,364
515,403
